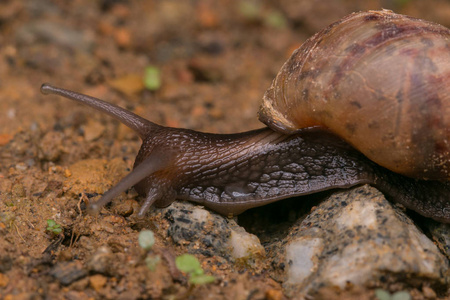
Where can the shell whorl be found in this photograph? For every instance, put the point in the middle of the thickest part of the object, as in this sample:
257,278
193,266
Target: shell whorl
380,81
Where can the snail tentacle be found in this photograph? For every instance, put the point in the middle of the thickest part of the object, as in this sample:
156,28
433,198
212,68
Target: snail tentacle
157,161
140,125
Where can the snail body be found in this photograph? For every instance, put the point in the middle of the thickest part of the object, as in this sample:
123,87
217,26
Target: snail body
300,152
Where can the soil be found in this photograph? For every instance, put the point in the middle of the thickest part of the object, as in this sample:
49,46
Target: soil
215,60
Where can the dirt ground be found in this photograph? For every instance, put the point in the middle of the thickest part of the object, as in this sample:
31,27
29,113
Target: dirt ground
215,59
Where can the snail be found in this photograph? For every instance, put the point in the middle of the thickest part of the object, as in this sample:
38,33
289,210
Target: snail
364,101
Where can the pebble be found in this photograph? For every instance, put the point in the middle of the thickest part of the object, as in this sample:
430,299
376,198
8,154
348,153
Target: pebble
428,293
75,295
21,166
273,294
125,208
5,138
54,33
243,244
97,282
200,230
94,175
18,190
68,272
51,145
208,233
93,130
122,37
6,261
130,84
67,173
4,280
101,261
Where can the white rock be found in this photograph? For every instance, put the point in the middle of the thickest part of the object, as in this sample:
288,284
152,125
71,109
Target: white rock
244,244
359,238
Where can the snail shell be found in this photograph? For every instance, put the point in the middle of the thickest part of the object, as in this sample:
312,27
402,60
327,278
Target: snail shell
378,80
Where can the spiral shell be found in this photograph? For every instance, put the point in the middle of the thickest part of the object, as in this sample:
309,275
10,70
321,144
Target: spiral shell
380,81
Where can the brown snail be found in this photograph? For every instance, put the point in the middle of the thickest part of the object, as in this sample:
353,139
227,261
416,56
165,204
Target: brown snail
378,80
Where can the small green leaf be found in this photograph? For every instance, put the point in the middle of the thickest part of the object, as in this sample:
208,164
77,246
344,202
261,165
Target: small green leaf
152,262
146,239
401,296
276,20
53,227
50,223
201,279
57,230
250,10
188,263
152,78
197,272
382,294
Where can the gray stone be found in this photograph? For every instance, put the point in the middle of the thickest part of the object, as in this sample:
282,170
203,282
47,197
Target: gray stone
101,261
358,237
354,237
208,233
68,272
54,33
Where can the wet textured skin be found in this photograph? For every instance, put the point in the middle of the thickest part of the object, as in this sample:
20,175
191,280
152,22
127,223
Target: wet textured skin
232,173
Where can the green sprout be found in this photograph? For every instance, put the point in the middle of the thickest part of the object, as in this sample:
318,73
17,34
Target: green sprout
189,264
152,78
249,10
53,227
385,295
146,239
152,262
275,20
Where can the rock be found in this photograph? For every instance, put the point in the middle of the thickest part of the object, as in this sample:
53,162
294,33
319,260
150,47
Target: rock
97,282
51,146
428,293
125,208
355,237
200,230
4,280
6,261
101,261
54,33
208,233
94,176
74,295
243,244
5,138
18,191
130,84
68,272
93,130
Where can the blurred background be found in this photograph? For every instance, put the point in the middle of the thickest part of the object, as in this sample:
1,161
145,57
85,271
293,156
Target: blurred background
202,64
198,64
